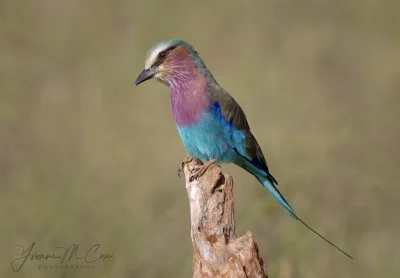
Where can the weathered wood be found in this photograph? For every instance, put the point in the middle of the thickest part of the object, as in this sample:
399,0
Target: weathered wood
217,252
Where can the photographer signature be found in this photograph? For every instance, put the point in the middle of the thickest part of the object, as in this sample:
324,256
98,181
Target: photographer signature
60,253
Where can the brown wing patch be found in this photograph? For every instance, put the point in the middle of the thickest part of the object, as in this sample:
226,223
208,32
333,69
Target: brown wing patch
233,113
229,107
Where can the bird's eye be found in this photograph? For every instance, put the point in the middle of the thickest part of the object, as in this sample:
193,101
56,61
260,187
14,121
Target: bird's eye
161,55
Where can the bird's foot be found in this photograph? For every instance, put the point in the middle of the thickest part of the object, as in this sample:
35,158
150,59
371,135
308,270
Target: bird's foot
187,159
198,171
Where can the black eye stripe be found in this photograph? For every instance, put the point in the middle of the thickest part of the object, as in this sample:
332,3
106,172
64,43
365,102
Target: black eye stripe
163,55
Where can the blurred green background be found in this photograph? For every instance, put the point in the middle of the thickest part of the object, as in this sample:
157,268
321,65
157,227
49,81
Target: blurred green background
86,157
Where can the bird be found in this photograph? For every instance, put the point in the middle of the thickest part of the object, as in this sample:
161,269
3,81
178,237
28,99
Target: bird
210,122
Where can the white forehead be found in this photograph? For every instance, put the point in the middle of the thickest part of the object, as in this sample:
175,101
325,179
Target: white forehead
152,55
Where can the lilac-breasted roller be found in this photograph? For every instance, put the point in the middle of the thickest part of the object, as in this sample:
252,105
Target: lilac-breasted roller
212,125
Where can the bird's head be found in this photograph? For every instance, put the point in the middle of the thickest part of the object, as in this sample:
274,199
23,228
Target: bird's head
171,62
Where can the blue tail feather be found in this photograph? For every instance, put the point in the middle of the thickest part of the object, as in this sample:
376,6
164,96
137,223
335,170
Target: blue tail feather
268,182
277,195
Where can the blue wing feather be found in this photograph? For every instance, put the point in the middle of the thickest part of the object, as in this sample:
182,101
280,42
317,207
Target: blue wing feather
254,164
236,138
244,149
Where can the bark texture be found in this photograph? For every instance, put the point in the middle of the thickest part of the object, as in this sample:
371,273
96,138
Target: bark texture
217,252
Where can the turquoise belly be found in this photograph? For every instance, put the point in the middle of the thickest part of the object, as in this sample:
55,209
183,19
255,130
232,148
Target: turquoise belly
205,140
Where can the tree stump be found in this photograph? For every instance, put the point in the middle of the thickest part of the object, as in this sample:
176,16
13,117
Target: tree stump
217,252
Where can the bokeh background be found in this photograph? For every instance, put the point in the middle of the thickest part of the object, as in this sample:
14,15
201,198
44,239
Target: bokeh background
86,157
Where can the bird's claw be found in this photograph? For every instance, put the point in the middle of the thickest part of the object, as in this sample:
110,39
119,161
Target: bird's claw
186,160
195,173
198,171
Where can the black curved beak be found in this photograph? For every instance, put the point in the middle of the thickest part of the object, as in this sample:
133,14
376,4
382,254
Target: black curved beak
145,75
